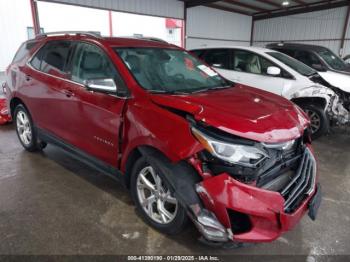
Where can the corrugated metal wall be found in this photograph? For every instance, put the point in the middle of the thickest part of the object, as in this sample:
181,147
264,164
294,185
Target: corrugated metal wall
15,18
208,27
319,28
205,26
166,8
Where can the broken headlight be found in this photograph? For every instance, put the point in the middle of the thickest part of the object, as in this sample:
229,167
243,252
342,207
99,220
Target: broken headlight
239,154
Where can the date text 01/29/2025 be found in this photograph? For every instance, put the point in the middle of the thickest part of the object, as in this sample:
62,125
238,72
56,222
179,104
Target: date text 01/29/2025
173,258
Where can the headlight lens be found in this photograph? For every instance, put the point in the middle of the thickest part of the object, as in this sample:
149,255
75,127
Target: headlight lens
233,153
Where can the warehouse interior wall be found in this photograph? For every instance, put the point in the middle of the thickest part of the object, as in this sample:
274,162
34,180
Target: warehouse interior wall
16,22
16,16
72,18
323,28
163,8
107,23
207,27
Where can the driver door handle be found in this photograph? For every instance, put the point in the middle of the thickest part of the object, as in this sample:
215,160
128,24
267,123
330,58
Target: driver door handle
68,93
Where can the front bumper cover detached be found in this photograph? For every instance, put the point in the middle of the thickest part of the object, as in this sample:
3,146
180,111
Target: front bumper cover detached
264,210
223,196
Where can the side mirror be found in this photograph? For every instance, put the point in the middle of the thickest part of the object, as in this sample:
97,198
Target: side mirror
319,67
273,71
106,85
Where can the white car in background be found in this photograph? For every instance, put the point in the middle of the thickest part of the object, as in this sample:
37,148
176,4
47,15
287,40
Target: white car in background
280,74
329,66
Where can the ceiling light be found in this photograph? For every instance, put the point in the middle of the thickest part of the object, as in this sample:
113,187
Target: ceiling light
285,3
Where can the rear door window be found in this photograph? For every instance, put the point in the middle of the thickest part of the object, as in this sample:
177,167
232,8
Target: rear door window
52,58
219,58
36,60
307,58
55,57
249,62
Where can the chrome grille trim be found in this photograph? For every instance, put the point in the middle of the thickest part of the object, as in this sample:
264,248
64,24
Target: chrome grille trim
302,184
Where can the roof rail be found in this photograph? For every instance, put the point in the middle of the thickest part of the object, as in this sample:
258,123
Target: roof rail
86,33
153,39
149,38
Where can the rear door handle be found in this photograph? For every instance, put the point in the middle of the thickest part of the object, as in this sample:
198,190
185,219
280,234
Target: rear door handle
28,78
68,93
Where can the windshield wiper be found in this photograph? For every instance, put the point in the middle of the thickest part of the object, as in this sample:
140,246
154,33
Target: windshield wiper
188,92
312,74
215,88
169,92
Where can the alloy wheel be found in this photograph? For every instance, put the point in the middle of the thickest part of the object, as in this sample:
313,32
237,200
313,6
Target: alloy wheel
315,120
24,128
154,197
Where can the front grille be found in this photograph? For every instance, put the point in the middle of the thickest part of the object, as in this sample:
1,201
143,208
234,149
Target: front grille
302,184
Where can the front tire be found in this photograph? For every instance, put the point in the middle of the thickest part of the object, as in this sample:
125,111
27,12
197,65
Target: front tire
25,130
318,119
154,201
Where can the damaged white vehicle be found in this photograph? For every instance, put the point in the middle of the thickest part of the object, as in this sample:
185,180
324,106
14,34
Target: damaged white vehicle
280,74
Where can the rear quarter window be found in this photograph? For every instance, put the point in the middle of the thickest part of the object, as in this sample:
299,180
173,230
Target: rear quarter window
24,50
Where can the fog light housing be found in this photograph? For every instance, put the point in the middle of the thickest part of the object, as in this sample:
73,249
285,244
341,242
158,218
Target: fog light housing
210,227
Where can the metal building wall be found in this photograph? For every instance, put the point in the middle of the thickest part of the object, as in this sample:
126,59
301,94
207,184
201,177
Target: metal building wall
165,8
15,18
321,28
209,27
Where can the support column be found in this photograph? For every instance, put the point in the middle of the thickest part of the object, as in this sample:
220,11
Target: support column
252,32
35,16
345,29
110,21
184,27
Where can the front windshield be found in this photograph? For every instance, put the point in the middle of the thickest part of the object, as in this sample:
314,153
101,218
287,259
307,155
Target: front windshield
332,59
293,63
170,70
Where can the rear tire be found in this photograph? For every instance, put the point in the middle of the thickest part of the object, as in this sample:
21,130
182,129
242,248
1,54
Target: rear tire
25,130
318,118
143,186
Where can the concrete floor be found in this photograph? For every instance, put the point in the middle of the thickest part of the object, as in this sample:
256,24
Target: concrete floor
51,204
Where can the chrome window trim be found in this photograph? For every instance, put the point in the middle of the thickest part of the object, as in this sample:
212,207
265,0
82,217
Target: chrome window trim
57,77
28,63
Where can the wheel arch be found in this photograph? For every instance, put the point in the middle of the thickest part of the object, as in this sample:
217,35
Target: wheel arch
135,154
181,175
320,101
15,101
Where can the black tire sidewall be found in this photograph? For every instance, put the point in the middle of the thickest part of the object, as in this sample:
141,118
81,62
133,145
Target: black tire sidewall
324,124
175,226
33,144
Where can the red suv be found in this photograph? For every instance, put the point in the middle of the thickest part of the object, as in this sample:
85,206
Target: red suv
187,143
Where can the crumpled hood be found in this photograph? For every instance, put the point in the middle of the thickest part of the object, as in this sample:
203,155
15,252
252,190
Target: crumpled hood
340,80
243,111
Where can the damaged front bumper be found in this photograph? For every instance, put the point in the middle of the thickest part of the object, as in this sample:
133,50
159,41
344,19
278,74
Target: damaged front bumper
5,116
337,111
235,211
334,106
